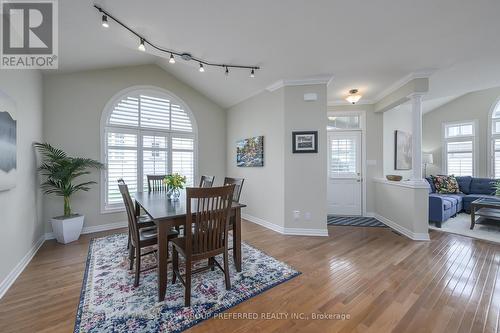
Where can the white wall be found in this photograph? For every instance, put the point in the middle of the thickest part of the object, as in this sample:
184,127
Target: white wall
471,106
74,103
395,119
20,207
263,190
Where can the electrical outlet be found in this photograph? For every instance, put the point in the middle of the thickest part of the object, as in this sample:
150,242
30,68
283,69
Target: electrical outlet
307,216
296,214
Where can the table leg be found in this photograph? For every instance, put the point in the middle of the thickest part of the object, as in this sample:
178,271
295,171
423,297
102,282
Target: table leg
472,216
237,240
162,261
137,209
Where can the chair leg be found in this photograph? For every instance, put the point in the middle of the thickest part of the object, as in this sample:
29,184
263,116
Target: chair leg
175,264
137,266
211,263
226,270
131,257
128,240
187,293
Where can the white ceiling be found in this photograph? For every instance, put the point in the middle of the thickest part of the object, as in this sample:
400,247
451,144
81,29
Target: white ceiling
367,45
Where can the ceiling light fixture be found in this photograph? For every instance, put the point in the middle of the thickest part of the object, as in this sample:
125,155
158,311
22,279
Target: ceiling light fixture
227,71
172,59
142,47
182,55
353,97
252,73
105,21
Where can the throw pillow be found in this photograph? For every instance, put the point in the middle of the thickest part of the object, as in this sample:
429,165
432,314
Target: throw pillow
446,184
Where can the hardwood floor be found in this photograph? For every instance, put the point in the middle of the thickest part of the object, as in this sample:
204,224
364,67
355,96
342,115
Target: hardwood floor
382,281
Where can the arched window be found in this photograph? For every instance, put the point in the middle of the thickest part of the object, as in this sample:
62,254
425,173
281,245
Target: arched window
145,132
495,140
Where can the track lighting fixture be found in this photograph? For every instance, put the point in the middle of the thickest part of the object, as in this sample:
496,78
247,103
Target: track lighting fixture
142,47
105,21
182,55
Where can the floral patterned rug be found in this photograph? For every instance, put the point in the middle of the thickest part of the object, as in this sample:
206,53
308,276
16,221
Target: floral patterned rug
110,303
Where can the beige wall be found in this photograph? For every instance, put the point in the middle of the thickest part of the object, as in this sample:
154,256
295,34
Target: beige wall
20,207
263,190
74,103
395,119
374,148
305,174
472,106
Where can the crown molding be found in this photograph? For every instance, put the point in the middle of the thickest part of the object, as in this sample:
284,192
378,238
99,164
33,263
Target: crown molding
327,79
421,74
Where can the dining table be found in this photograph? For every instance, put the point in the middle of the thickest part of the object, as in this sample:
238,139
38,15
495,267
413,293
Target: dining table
167,214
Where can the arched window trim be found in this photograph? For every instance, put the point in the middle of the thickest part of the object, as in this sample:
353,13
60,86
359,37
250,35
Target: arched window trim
491,138
104,127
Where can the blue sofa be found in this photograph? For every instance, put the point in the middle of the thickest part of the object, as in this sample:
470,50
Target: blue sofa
444,206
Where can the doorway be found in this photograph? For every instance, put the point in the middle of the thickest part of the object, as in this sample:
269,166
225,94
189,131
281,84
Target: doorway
345,164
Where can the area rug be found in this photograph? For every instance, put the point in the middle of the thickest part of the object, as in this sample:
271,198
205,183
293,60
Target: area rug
110,303
354,221
460,225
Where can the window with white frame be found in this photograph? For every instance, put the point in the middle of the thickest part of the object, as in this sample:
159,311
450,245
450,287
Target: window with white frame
495,142
459,140
146,132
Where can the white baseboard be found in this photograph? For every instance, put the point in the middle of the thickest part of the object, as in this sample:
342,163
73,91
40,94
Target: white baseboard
21,265
402,230
369,214
285,231
92,229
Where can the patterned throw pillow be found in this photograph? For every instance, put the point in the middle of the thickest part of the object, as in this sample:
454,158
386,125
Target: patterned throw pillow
446,184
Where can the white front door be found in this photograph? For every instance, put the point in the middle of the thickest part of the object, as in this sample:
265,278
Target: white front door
344,173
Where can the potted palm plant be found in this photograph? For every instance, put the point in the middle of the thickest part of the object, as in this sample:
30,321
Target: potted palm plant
61,171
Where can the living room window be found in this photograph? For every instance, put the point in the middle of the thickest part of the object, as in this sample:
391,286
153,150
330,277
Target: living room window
495,141
145,132
459,148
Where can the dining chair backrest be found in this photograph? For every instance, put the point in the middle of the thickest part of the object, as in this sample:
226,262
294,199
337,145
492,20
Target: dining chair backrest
207,218
238,186
132,219
156,184
207,181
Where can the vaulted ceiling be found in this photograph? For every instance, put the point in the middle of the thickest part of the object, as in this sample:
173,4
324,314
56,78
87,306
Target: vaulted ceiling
368,45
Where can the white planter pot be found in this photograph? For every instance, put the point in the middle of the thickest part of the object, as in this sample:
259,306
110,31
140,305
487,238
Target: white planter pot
67,229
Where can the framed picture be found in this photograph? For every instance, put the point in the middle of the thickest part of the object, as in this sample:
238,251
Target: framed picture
305,142
250,152
403,150
8,151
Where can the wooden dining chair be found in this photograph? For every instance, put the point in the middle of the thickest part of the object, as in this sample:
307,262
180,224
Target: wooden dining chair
156,184
143,221
207,181
139,237
206,233
238,186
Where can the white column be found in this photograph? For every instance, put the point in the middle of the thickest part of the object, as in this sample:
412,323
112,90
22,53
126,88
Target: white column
416,111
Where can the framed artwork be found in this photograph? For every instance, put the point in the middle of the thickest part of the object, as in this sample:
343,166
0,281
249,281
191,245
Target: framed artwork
250,152
403,150
8,149
305,142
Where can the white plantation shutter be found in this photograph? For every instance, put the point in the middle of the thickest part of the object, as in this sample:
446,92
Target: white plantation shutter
460,158
146,133
343,156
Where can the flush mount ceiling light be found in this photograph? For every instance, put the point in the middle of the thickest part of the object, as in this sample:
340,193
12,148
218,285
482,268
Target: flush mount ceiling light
185,56
354,96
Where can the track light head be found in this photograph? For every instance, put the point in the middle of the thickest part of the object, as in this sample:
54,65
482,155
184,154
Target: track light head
227,71
105,23
142,47
201,68
172,59
252,73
